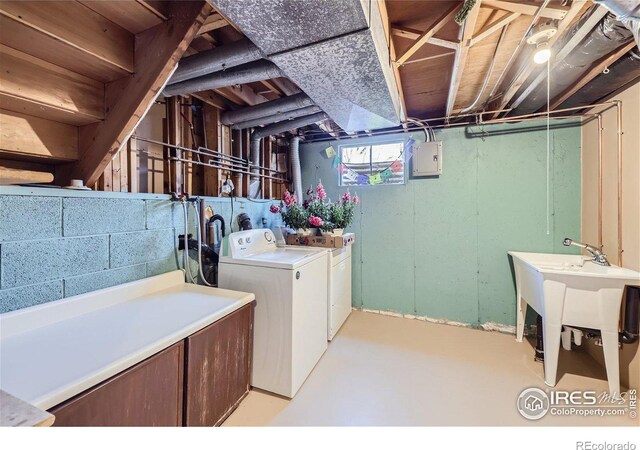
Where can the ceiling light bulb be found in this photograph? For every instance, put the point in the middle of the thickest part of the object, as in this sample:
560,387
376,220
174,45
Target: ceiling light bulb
542,54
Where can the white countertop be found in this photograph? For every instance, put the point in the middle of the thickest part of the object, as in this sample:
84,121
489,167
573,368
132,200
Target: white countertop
51,352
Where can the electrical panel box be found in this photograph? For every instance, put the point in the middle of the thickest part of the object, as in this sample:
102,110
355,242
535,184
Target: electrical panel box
427,159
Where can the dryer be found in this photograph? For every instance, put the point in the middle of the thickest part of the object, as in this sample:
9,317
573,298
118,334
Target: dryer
290,285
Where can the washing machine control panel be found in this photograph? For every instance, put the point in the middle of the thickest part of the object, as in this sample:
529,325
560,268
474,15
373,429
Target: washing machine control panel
248,242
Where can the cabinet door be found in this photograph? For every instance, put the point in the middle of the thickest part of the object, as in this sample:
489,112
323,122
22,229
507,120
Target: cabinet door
147,394
218,368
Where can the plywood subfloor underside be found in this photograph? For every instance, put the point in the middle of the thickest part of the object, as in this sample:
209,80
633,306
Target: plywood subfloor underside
384,371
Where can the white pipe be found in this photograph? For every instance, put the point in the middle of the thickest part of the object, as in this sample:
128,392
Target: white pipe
294,158
185,255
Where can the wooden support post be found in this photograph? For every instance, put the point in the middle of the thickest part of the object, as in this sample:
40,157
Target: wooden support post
132,154
236,150
211,124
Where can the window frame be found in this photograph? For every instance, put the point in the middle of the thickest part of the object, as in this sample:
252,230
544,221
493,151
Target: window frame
372,144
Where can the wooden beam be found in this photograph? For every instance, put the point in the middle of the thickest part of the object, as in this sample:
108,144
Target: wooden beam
21,37
386,23
427,58
286,86
248,95
593,72
211,98
31,136
271,87
211,120
410,33
132,16
32,86
213,22
76,26
424,37
530,65
19,172
461,56
158,51
494,26
550,12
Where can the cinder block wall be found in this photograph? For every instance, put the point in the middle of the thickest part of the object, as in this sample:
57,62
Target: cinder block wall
56,244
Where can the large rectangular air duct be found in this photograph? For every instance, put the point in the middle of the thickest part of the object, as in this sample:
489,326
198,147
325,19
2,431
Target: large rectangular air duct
335,51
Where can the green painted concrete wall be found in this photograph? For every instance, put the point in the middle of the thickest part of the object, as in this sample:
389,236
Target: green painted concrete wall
437,247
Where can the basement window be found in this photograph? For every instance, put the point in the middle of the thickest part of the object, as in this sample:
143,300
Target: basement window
372,164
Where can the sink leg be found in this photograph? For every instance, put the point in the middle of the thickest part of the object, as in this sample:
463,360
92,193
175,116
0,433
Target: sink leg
551,335
521,314
611,355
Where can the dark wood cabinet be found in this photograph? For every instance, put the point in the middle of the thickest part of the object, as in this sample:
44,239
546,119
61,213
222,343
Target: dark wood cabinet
218,362
147,394
198,381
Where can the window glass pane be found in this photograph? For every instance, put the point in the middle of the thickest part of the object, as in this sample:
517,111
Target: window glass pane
371,161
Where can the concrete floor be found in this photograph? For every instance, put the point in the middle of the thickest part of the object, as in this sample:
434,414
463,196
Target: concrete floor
382,370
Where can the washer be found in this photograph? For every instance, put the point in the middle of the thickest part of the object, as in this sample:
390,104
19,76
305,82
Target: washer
290,285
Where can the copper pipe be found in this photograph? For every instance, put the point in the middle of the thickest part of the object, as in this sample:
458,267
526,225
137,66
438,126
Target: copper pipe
278,179
600,130
610,103
619,120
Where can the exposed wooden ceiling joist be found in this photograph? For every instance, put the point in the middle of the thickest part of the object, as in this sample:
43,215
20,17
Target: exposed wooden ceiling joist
530,65
157,52
392,53
112,46
409,33
461,56
424,37
550,12
286,86
594,72
494,26
213,22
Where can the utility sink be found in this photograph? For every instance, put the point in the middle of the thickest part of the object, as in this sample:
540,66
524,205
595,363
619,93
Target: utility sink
571,290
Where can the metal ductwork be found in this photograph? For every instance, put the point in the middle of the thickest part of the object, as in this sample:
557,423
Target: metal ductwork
257,135
605,38
220,58
621,73
287,115
271,108
335,51
627,12
246,73
296,171
281,127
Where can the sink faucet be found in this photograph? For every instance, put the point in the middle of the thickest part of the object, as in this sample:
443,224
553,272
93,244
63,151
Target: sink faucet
598,256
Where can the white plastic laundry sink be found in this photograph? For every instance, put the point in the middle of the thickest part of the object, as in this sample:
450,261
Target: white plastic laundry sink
571,290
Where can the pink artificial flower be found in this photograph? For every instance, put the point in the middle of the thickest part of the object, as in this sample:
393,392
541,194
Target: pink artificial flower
274,209
316,221
356,200
322,194
294,199
288,198
346,197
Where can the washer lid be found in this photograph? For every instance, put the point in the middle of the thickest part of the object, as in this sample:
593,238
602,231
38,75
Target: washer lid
278,258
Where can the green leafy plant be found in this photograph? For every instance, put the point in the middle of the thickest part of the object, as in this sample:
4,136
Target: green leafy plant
342,212
293,215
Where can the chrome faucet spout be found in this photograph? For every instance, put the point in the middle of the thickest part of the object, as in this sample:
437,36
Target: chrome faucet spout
598,256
